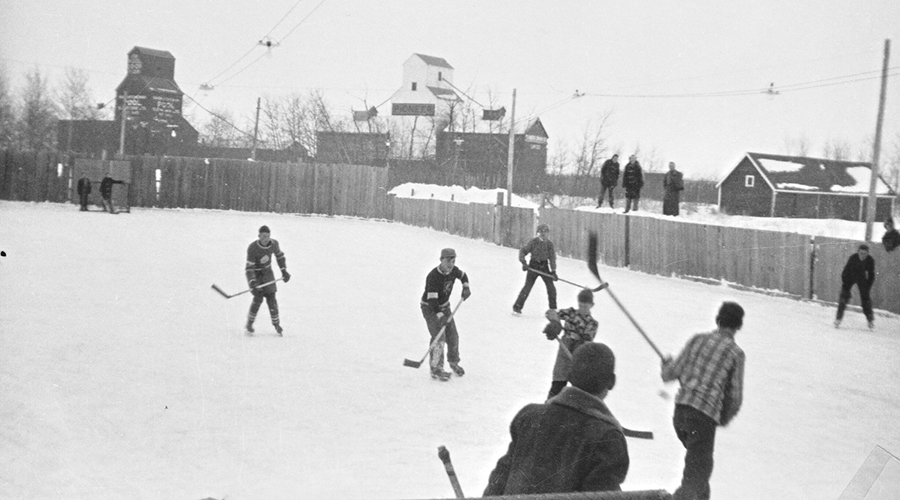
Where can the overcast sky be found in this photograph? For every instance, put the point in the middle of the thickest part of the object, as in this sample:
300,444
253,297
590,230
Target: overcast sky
683,81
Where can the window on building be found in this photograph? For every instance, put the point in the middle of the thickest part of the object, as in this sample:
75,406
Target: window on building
440,76
414,86
749,181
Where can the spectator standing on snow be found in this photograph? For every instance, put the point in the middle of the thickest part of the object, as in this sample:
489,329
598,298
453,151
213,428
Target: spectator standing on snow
710,369
543,259
891,238
673,185
860,271
259,272
106,186
84,190
572,442
435,305
632,181
580,328
609,177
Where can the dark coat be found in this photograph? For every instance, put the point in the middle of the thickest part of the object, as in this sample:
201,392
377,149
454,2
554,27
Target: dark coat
673,184
570,443
84,186
859,272
106,186
891,240
633,180
609,173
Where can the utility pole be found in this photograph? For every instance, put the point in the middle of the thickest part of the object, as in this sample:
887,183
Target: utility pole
255,130
870,213
510,155
122,128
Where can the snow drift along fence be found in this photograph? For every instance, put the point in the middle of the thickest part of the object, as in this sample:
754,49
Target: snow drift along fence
505,226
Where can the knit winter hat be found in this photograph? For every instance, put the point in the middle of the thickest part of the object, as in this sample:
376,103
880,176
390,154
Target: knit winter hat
593,367
448,253
586,296
264,229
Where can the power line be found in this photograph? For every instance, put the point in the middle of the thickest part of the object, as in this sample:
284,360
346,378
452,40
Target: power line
220,117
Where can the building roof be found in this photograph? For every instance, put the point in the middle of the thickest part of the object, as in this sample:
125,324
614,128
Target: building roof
149,83
814,175
434,61
446,94
152,52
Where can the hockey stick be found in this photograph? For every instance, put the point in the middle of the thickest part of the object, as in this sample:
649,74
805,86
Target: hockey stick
627,432
592,265
227,296
415,364
448,466
535,271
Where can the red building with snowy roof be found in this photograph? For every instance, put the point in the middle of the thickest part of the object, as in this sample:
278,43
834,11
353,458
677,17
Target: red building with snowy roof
765,185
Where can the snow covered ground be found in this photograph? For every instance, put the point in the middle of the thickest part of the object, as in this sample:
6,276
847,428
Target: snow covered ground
124,375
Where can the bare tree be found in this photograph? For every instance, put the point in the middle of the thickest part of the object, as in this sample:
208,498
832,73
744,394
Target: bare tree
75,101
37,115
592,147
797,146
74,97
890,167
7,117
220,131
837,150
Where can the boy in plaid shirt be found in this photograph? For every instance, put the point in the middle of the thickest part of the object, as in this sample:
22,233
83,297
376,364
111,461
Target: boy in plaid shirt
710,369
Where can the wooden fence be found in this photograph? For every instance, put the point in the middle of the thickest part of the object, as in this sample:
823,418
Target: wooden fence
26,176
505,226
171,182
793,264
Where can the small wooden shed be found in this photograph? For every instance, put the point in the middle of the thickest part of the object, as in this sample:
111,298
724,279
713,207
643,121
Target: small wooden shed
767,185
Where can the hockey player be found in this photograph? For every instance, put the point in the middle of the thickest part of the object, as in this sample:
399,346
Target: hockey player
710,369
259,272
580,328
543,259
106,186
860,271
435,305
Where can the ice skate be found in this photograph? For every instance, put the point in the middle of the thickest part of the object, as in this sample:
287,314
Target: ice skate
458,370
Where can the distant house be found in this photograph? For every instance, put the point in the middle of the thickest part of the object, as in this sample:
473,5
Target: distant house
485,155
765,185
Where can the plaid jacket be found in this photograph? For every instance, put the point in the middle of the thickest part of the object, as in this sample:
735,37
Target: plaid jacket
711,372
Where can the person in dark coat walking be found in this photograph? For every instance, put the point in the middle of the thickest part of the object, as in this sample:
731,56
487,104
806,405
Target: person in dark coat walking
632,181
710,370
571,443
609,177
860,271
106,186
673,185
84,189
891,238
543,259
